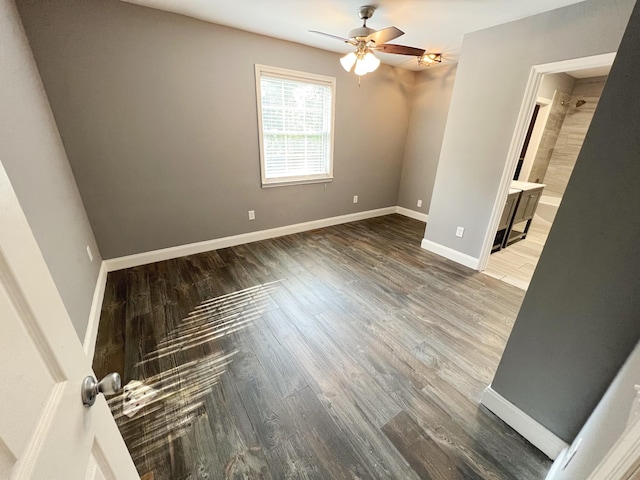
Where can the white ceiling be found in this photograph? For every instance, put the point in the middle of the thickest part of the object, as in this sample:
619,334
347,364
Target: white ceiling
435,25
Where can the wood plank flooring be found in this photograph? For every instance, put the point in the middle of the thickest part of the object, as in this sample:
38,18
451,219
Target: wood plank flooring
345,352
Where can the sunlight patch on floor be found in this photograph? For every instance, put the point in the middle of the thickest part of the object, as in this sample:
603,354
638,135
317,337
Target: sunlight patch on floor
156,410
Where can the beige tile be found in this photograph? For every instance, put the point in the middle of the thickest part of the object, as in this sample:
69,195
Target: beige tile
516,264
528,269
516,282
494,274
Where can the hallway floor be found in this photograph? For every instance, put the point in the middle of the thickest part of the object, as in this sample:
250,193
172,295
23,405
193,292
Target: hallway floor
516,263
339,353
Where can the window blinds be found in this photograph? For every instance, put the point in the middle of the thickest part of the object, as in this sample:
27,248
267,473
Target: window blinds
296,127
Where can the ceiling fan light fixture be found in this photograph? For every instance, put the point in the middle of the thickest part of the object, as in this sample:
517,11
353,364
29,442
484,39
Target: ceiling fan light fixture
366,39
361,68
370,61
429,59
348,60
366,62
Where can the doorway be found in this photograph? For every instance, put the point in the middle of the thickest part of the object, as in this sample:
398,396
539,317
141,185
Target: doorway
554,128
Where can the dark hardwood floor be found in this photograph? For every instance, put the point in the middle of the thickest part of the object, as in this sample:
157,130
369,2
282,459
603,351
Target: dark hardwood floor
344,352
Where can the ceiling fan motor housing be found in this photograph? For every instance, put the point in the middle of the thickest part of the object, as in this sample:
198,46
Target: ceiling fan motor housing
361,32
365,13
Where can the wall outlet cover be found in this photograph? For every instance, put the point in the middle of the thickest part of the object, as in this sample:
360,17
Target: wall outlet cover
419,203
459,232
252,215
136,396
355,199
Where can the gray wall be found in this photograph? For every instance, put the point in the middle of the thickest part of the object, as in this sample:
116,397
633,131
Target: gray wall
33,156
431,99
158,116
579,319
492,75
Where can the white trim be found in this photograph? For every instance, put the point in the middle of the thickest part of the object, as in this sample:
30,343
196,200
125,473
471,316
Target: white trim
566,66
542,438
291,183
539,127
526,109
91,335
557,465
450,253
622,460
297,76
520,131
25,465
192,248
423,217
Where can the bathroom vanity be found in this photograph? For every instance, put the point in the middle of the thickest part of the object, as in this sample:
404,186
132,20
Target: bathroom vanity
519,209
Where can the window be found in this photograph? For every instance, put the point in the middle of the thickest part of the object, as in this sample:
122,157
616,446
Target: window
295,117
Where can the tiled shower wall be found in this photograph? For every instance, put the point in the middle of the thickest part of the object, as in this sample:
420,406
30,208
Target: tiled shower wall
574,128
559,108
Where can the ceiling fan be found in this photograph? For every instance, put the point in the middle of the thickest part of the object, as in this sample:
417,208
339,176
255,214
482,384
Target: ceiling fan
366,40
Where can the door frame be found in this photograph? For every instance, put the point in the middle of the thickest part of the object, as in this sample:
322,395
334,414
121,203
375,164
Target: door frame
536,136
522,124
622,461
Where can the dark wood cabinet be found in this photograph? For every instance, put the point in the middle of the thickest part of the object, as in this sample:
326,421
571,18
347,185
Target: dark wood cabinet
526,209
506,218
519,209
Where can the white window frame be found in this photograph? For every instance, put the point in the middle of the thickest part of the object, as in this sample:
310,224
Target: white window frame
275,72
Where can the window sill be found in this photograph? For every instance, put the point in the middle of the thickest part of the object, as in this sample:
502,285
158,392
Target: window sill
297,182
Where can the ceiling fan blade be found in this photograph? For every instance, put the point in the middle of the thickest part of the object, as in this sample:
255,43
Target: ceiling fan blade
400,50
345,40
385,35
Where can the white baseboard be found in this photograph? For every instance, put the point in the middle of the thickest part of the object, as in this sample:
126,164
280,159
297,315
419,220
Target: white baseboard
545,440
423,217
451,254
557,465
181,250
90,336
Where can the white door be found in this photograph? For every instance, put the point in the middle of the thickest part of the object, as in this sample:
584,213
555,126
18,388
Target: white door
45,431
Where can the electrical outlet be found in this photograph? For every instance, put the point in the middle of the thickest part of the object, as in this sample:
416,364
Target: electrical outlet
89,254
419,203
355,199
459,232
252,215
